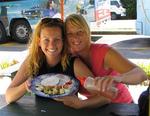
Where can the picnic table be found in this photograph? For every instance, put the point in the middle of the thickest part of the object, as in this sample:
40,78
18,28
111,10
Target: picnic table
39,106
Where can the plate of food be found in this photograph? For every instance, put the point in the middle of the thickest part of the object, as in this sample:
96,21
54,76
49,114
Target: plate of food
54,85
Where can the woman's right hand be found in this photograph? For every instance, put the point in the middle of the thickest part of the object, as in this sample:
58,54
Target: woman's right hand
101,85
104,83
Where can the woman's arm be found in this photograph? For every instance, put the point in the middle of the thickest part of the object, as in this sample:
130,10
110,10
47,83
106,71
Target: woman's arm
122,65
81,70
17,87
95,101
75,102
129,72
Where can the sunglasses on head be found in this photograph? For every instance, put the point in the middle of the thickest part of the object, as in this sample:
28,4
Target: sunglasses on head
55,20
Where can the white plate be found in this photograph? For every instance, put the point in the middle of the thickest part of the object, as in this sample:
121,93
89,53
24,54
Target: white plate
53,80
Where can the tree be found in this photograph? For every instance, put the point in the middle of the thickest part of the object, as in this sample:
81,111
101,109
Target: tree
130,6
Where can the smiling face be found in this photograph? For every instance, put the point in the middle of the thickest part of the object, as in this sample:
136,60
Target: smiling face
78,34
51,42
78,39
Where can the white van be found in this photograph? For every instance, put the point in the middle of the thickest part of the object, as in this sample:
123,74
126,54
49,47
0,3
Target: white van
117,10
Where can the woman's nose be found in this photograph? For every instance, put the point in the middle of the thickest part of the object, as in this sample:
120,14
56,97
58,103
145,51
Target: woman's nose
51,43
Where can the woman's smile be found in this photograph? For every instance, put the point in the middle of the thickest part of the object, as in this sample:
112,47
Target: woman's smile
51,50
51,42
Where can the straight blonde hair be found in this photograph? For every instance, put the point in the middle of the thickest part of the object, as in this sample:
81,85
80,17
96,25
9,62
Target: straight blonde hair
78,21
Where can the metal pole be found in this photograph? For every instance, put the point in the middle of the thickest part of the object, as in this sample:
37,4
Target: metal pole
62,9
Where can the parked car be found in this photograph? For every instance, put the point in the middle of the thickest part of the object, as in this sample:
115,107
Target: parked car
117,10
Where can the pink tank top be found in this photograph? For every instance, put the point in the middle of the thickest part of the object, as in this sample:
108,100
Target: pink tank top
98,52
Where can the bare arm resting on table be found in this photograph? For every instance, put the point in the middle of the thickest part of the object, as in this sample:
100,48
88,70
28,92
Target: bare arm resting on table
75,102
17,87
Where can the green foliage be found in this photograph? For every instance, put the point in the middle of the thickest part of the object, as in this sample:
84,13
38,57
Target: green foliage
130,6
4,65
146,68
29,94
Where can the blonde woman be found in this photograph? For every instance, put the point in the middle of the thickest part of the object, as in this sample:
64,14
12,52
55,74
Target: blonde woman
110,68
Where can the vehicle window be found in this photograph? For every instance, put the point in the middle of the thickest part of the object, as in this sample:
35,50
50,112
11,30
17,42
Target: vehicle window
114,3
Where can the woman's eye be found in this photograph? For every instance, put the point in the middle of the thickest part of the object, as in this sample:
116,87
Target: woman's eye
80,33
57,39
70,35
46,40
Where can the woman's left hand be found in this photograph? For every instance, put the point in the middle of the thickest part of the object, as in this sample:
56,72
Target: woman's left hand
71,101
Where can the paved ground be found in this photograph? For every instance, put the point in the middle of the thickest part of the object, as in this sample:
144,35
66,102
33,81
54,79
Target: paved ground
130,46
